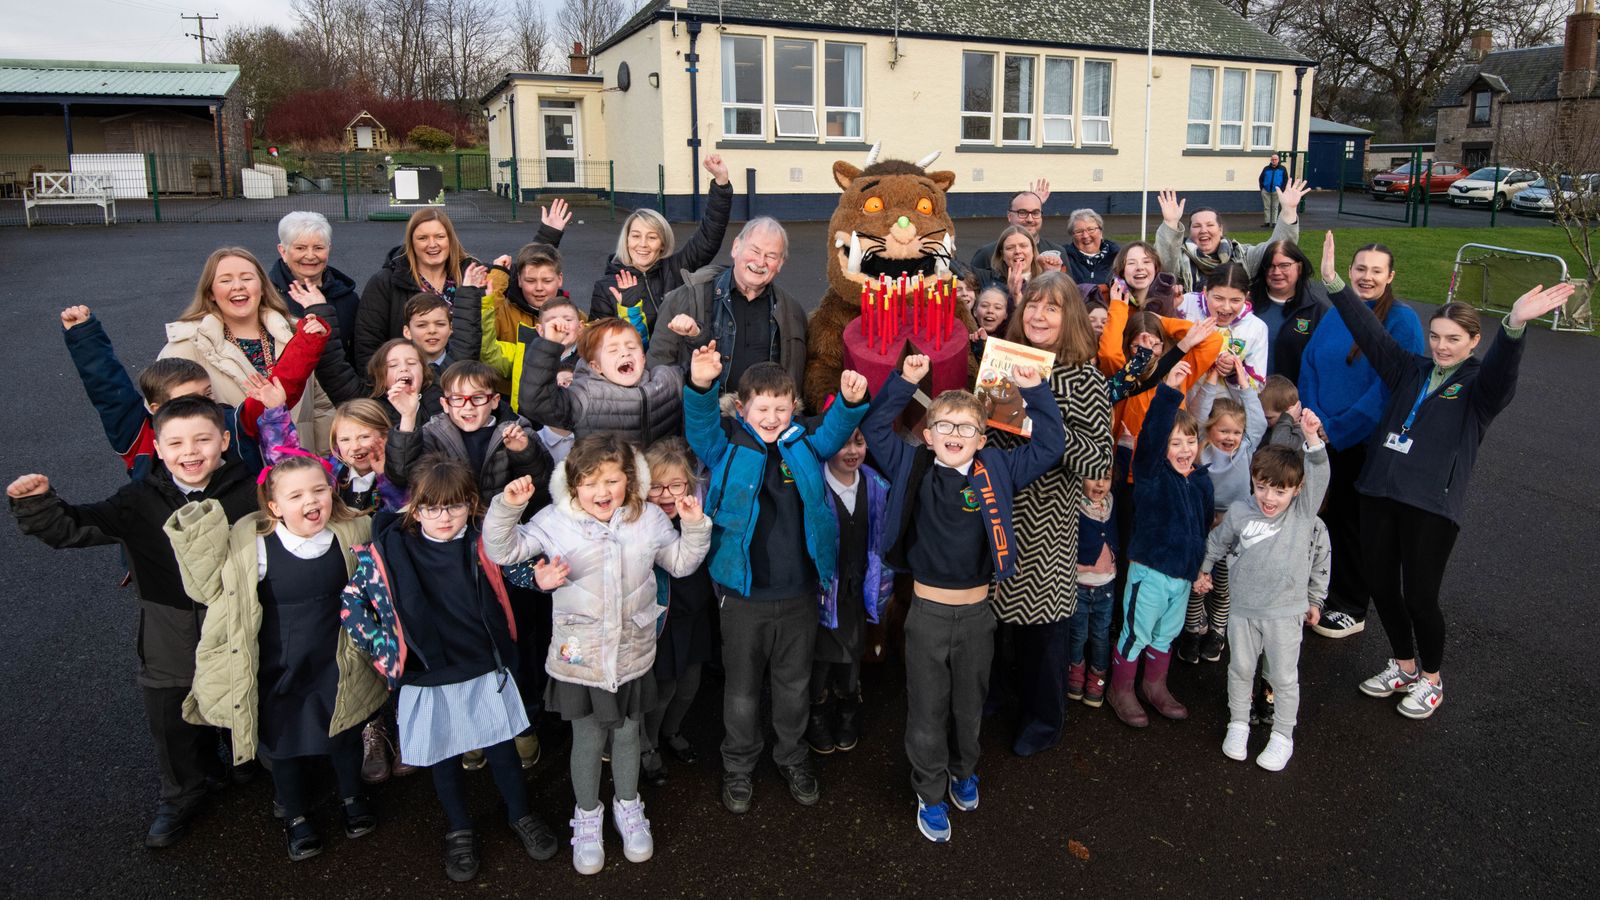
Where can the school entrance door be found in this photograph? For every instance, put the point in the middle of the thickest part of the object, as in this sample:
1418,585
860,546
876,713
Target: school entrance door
561,147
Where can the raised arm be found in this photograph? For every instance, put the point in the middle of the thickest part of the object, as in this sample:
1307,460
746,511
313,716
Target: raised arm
538,396
1390,360
703,246
1151,453
681,553
1497,379
466,321
123,415
506,542
889,449
1048,442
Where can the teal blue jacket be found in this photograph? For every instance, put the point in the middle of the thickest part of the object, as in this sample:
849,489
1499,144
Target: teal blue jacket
736,457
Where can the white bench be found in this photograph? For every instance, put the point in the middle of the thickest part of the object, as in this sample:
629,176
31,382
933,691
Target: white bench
70,189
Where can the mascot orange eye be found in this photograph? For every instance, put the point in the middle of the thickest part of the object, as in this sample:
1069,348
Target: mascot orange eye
925,206
873,205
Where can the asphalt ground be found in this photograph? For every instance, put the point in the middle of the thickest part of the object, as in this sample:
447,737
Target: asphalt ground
1493,796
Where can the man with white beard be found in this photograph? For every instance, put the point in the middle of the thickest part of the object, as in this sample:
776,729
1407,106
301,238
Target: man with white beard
751,319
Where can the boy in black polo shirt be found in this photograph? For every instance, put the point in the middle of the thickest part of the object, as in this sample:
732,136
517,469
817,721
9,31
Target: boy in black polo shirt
949,524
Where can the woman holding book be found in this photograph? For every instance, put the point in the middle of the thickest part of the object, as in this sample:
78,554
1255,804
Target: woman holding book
1035,603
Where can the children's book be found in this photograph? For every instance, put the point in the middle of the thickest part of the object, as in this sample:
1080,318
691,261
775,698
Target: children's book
998,391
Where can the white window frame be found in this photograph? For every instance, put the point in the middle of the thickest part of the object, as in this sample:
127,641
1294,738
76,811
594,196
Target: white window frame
728,59
1264,118
991,113
858,111
1488,108
778,109
1210,114
1241,77
1111,93
1025,112
1047,117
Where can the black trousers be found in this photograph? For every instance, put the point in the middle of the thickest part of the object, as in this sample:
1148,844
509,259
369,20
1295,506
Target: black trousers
185,754
450,783
1039,678
948,653
1347,584
1406,551
530,609
761,637
293,777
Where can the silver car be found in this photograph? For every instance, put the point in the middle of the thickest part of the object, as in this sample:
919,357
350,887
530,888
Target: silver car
1536,199
1476,188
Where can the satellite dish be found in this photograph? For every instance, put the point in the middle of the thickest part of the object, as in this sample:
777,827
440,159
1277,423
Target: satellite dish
624,77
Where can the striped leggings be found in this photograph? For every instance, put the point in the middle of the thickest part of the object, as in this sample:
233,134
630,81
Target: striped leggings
1212,607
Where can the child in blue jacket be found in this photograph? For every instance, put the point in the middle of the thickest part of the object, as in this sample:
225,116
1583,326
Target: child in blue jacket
948,523
1172,512
767,504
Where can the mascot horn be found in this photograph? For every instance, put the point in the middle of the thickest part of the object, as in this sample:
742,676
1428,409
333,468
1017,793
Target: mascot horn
891,219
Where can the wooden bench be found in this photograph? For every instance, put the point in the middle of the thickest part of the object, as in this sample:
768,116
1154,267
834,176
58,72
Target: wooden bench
70,189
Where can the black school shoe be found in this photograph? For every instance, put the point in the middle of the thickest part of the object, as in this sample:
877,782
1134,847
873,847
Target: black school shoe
536,837
681,748
1188,647
1212,645
304,842
359,820
460,855
803,784
169,825
651,767
737,791
848,734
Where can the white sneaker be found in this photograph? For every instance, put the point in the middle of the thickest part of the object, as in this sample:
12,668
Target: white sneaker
628,817
1422,698
1276,756
1236,744
588,847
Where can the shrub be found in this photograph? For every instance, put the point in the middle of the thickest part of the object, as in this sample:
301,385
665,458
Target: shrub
429,138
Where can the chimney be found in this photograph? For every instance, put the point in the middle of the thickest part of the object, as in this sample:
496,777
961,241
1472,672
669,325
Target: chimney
1482,43
1578,56
578,61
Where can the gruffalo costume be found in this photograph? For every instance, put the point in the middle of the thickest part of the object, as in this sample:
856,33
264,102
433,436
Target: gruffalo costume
891,219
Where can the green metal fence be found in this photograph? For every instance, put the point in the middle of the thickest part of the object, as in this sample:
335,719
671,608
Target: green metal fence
264,187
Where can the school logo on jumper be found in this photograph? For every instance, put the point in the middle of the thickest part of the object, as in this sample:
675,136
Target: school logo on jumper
1451,392
1302,326
969,499
783,469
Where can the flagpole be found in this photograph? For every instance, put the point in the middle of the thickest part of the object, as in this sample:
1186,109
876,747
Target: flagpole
1149,80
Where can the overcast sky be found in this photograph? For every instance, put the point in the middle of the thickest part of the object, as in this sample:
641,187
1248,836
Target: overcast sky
125,30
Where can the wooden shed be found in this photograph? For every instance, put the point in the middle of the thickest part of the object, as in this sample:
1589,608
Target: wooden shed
365,132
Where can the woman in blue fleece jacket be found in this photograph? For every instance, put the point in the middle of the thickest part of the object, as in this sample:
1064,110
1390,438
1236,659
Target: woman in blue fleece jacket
1338,383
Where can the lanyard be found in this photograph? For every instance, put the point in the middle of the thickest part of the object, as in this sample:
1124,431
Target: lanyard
1421,396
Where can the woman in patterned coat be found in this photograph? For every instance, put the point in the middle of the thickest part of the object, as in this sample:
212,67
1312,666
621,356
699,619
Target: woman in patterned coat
1033,606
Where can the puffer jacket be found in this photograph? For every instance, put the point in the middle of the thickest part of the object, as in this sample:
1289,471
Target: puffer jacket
737,458
707,297
219,566
440,435
202,341
504,344
604,617
651,409
879,587
338,289
381,314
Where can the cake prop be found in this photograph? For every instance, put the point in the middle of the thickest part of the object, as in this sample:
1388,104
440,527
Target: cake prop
906,315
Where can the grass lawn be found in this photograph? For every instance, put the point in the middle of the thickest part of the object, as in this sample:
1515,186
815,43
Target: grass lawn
1424,257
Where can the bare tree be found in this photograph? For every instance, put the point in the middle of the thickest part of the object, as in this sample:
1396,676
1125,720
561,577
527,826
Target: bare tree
272,65
1531,23
468,42
1562,144
530,37
588,22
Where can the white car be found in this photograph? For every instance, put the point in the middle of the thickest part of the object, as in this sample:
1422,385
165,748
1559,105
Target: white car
1476,188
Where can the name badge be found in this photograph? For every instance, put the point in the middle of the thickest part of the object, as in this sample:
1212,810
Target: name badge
1399,443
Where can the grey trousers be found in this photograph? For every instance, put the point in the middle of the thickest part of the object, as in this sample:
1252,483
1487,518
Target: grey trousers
948,653
759,636
1269,207
588,743
1277,638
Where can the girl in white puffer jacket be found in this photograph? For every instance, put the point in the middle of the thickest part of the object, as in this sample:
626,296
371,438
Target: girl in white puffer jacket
601,541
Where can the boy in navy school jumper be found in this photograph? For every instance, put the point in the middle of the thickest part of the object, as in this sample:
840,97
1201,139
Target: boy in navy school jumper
1172,513
191,444
948,523
125,410
774,541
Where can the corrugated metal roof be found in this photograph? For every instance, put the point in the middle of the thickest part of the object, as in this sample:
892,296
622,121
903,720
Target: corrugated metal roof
119,79
1328,126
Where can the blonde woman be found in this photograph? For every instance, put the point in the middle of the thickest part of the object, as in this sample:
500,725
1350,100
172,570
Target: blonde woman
429,260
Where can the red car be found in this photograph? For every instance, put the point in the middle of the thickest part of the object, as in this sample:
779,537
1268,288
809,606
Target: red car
1437,177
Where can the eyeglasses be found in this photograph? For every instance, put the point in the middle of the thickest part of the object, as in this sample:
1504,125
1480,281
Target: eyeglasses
1284,266
457,401
1081,232
965,429
439,512
674,489
1027,213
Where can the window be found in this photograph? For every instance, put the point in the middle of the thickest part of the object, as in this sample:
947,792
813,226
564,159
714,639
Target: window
1097,102
1016,125
1230,135
977,98
842,89
1480,107
794,87
743,95
1264,117
1059,74
1202,88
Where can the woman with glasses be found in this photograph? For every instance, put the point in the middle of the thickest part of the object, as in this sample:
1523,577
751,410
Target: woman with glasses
1034,604
1291,303
1090,255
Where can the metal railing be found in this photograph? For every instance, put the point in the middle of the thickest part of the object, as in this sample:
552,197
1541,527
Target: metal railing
151,187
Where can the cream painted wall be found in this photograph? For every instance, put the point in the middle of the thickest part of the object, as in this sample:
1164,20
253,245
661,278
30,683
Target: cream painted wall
20,135
633,119
592,144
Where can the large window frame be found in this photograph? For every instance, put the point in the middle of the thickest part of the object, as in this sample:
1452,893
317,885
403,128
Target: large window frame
1057,98
1018,95
851,111
1044,100
794,88
1096,117
1202,107
975,94
736,110
1482,110
1231,109
1264,110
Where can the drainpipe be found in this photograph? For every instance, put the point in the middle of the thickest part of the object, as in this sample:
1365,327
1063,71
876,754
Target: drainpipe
222,167
66,112
511,113
693,59
1294,146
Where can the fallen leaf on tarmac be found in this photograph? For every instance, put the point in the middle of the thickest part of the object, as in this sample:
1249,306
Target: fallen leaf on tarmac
1079,850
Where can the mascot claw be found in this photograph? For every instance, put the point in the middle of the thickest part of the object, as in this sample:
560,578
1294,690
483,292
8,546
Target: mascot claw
941,266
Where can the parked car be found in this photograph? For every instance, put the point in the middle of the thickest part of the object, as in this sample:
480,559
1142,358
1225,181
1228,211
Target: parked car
1475,189
1536,199
1436,178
